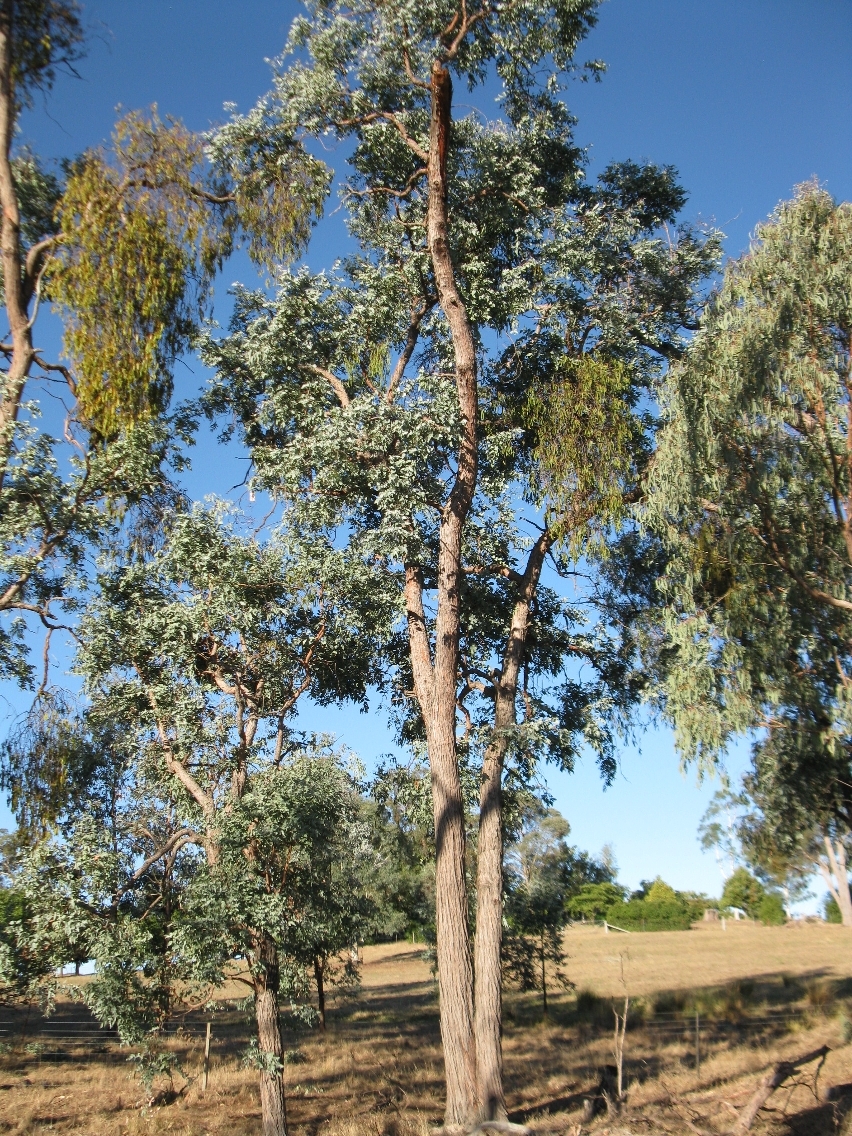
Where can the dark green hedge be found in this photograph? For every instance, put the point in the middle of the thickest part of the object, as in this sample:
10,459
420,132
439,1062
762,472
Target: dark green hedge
640,915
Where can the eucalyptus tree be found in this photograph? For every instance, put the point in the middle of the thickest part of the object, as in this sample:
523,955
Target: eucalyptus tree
489,340
752,487
123,246
198,653
736,828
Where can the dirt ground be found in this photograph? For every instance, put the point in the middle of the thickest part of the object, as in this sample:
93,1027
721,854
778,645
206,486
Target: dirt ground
760,995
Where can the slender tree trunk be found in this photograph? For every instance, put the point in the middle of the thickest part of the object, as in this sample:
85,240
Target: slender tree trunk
17,284
836,877
489,876
543,979
272,1104
489,924
318,977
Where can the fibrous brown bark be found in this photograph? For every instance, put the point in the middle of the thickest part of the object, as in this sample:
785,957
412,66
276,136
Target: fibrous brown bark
272,1103
489,877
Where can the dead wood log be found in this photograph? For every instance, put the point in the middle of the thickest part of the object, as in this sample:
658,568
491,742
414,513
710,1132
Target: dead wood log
773,1080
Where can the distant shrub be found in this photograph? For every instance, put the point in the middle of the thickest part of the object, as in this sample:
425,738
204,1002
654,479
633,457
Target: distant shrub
832,911
587,1002
594,1010
594,900
648,915
819,994
770,910
742,890
669,1002
661,892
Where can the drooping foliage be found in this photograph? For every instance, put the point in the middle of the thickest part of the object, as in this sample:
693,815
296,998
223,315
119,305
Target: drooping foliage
751,486
144,229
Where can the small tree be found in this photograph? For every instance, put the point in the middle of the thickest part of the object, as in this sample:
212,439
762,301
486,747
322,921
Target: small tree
399,814
198,654
831,910
542,874
770,910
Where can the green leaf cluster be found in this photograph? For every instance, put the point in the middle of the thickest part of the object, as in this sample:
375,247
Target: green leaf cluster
144,229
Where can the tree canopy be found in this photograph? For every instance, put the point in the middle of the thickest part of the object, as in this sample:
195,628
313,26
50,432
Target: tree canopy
751,485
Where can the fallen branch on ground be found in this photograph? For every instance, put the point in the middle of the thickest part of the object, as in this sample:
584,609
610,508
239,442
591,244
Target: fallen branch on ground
773,1080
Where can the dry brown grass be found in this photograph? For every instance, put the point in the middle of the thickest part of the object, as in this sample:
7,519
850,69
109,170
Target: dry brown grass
378,1071
706,956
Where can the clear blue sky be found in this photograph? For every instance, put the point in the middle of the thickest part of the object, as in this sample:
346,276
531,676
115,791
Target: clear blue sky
746,98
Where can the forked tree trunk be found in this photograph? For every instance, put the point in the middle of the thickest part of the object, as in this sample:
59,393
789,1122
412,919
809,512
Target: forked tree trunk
489,876
435,679
273,1106
836,876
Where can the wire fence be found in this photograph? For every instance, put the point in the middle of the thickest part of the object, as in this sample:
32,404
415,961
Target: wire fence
82,1029
37,1032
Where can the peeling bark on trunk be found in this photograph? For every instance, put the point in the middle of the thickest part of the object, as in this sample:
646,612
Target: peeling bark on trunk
272,1103
489,878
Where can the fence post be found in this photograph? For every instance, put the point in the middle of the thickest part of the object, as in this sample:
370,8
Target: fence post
697,1046
206,1060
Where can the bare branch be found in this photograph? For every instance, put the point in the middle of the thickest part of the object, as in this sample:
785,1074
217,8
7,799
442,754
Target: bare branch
335,383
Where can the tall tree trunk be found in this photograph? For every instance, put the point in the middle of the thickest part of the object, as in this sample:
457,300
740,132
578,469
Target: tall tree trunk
436,679
489,875
836,877
319,967
17,282
273,1107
